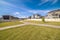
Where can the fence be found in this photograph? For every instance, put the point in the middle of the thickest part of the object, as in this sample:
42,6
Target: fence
55,20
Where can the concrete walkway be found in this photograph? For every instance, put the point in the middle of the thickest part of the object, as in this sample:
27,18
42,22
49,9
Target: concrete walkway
27,23
46,25
7,27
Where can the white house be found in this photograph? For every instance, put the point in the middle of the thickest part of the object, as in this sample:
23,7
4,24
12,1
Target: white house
53,14
35,16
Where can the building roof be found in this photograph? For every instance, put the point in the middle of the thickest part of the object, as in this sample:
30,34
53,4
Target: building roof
54,11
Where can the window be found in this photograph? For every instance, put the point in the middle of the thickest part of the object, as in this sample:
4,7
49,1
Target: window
59,16
54,14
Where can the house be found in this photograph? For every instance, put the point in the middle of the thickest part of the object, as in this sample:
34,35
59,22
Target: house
0,20
53,14
35,16
9,18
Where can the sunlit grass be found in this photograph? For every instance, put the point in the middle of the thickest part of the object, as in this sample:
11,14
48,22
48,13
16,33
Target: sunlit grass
3,24
30,32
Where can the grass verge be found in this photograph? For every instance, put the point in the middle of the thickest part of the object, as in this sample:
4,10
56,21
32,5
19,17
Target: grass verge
40,22
3,24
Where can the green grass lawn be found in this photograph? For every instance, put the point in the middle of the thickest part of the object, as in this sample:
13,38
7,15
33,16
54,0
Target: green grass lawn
30,32
40,22
3,24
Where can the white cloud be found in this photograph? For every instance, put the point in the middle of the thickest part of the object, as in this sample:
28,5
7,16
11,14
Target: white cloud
42,2
54,1
6,3
17,13
38,11
42,12
22,7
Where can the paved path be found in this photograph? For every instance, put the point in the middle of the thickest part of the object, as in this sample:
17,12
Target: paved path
46,25
27,23
7,27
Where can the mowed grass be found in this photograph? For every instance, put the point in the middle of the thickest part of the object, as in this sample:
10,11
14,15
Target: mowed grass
30,32
40,22
3,24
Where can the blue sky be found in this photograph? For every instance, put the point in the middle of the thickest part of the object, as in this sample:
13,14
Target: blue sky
25,8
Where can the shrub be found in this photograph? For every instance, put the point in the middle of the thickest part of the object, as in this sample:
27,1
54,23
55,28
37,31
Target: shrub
43,19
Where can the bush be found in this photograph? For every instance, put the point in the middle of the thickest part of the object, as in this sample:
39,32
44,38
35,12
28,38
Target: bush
43,19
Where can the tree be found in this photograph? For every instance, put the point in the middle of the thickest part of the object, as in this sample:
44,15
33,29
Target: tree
43,19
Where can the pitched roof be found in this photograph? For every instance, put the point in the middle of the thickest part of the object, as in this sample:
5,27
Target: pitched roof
54,11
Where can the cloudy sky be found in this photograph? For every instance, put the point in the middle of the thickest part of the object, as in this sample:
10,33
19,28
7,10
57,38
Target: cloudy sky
25,8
